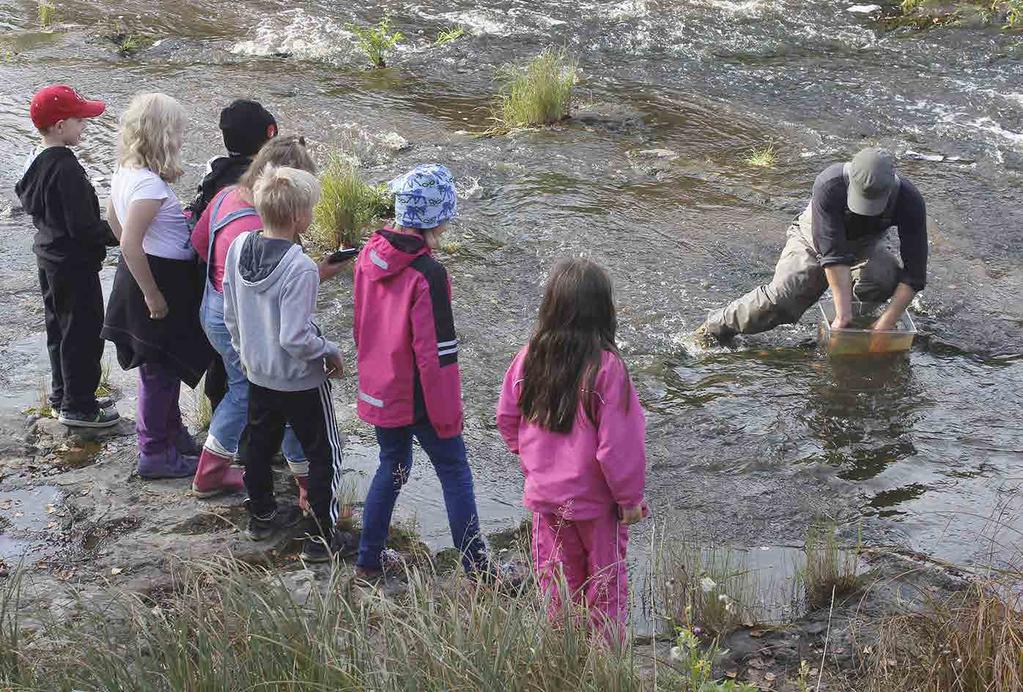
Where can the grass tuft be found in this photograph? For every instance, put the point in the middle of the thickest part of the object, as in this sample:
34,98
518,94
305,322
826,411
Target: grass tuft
538,93
225,625
202,409
377,41
47,13
126,39
448,35
105,388
762,158
972,640
348,206
830,569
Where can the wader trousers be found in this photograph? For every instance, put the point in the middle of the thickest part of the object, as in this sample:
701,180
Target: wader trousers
799,282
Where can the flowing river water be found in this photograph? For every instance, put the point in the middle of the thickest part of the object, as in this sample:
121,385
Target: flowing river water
749,444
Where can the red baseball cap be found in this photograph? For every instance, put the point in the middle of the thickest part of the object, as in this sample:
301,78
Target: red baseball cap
60,102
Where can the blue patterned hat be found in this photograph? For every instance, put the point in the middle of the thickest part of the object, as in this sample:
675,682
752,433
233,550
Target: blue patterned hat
424,197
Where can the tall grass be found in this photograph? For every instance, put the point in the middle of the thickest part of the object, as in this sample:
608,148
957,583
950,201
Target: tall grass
202,409
348,206
47,13
690,585
377,41
539,92
970,641
830,569
232,626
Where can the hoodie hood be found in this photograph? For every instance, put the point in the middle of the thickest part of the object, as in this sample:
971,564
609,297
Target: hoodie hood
263,261
388,253
40,175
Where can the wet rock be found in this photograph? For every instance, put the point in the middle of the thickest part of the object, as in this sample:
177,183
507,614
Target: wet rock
668,154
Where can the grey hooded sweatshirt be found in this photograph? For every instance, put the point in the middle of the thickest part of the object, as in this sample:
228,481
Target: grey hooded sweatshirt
270,288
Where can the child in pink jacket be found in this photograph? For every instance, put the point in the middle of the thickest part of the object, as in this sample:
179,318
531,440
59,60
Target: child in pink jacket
409,384
569,410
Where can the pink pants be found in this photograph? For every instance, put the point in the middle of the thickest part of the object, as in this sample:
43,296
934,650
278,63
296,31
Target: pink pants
590,556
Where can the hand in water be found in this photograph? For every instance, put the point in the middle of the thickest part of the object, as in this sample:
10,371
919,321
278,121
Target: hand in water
328,270
334,367
631,515
157,305
885,322
840,322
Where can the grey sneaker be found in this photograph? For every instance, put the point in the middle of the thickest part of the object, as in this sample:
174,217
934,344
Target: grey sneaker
103,418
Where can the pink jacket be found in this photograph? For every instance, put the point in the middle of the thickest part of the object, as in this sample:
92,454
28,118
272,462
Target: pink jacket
584,473
405,338
201,233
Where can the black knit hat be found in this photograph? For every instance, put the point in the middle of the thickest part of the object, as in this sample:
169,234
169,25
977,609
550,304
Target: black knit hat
246,127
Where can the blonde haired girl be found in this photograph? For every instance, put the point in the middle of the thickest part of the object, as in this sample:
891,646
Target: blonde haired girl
152,130
153,313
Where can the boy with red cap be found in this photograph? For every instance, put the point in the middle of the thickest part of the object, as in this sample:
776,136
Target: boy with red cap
70,245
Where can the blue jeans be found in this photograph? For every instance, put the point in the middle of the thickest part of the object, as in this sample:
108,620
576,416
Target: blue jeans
232,412
448,458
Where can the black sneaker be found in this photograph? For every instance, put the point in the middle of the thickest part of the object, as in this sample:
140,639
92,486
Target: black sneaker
315,549
261,528
104,401
103,418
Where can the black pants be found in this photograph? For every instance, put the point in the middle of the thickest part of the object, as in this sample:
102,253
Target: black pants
73,305
215,384
311,414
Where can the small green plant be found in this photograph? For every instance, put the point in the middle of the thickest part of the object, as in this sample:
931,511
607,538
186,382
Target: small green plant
538,93
347,207
43,408
830,570
803,676
377,41
762,158
104,388
449,35
909,5
126,39
47,13
1013,14
695,666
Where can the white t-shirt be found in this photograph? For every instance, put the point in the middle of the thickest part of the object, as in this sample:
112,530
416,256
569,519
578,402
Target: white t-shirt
168,235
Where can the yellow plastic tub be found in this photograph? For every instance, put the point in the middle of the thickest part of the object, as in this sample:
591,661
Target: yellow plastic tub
860,339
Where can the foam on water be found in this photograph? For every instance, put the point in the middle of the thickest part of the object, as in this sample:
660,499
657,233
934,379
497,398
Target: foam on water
299,34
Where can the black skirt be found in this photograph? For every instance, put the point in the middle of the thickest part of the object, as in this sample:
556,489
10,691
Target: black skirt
177,340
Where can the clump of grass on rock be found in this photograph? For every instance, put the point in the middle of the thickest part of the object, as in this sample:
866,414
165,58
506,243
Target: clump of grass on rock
539,92
348,207
831,571
765,157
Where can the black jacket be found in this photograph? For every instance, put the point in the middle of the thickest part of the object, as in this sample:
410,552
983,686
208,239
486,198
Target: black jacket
57,193
223,171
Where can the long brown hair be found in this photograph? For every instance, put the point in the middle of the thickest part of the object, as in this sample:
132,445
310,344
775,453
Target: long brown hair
577,323
285,150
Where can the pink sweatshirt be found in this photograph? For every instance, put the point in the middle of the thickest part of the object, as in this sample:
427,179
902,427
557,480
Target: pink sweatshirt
405,336
201,233
583,473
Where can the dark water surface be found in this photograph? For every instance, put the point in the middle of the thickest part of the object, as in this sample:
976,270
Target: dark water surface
924,450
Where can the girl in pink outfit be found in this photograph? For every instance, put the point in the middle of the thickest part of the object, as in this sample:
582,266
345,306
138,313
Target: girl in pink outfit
569,410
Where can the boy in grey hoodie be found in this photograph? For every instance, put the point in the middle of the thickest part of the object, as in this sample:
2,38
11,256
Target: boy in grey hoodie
270,288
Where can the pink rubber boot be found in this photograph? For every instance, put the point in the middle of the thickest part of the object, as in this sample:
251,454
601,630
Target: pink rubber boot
216,476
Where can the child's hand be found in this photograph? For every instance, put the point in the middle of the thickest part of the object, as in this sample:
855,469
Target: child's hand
157,305
334,367
632,515
328,270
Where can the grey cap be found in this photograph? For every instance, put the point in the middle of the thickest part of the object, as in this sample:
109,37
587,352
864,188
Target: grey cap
872,180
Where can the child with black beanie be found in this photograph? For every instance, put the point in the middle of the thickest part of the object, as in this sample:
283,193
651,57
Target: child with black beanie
246,126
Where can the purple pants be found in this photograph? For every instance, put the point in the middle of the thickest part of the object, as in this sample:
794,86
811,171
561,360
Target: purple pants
158,419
